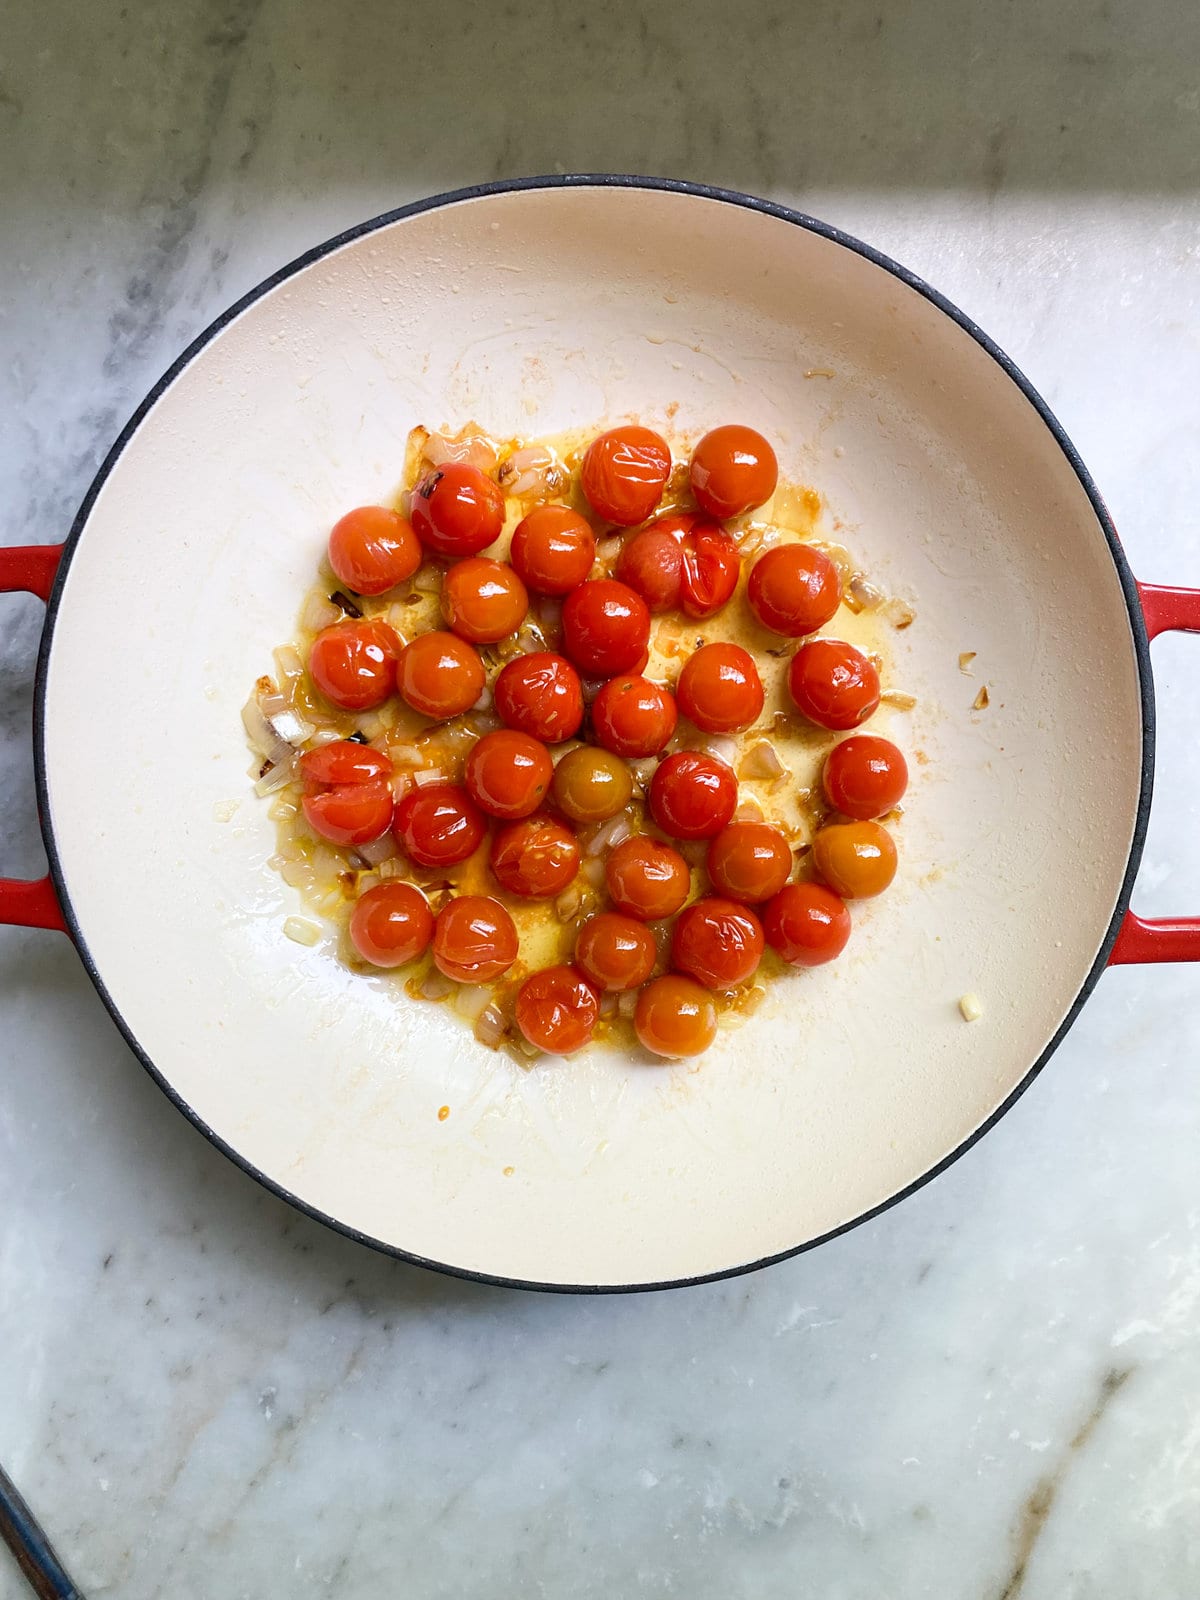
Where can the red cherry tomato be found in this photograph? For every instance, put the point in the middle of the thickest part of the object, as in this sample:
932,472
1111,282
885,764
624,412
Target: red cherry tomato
833,684
535,858
733,470
606,628
557,1010
651,561
615,952
552,549
806,924
856,859
675,1017
692,796
711,566
440,675
483,600
646,878
353,664
474,939
794,589
372,549
457,510
865,777
508,774
351,813
344,761
633,717
541,695
624,474
717,942
439,824
719,688
749,861
391,924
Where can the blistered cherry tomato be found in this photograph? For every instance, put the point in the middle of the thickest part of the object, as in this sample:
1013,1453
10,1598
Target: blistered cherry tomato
865,777
692,796
391,924
718,942
457,510
439,824
675,1017
833,684
535,858
806,924
633,717
733,470
624,474
651,561
647,878
344,761
615,952
483,600
711,566
591,785
372,549
552,549
606,628
856,859
474,939
749,861
541,695
557,1010
794,589
351,813
508,774
440,675
719,688
353,663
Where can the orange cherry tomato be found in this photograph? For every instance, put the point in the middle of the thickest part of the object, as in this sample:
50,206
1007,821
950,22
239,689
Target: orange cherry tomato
794,589
615,952
351,813
457,510
552,549
647,878
806,924
474,939
719,688
541,695
633,717
372,549
749,861
606,627
508,774
833,684
344,761
483,600
557,1010
439,824
353,663
856,859
865,777
391,924
651,561
592,785
440,675
733,469
624,474
675,1017
712,564
535,858
718,942
692,796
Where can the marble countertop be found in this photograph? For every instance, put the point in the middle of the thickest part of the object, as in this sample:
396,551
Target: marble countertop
991,1391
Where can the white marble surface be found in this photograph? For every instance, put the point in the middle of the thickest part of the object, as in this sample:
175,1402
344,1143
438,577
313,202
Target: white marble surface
991,1391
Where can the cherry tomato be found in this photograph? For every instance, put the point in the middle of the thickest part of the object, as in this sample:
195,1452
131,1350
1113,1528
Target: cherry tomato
692,796
372,549
646,878
541,695
833,684
474,939
391,924
856,859
592,785
535,858
675,1017
717,942
353,663
749,861
794,589
483,600
865,777
711,566
557,1010
615,952
351,813
508,774
606,627
344,761
439,824
733,470
624,474
552,549
633,717
807,924
651,561
457,510
440,675
719,688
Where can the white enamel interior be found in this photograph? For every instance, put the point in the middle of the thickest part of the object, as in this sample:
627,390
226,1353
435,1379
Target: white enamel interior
530,312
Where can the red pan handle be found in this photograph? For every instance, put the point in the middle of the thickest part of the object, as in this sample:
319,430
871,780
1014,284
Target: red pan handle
1165,938
22,903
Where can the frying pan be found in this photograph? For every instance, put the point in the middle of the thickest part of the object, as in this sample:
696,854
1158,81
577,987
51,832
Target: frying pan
533,307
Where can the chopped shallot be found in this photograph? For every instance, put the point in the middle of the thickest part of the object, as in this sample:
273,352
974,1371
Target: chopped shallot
610,835
720,747
534,469
301,930
471,999
474,449
319,612
761,761
378,850
490,1026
